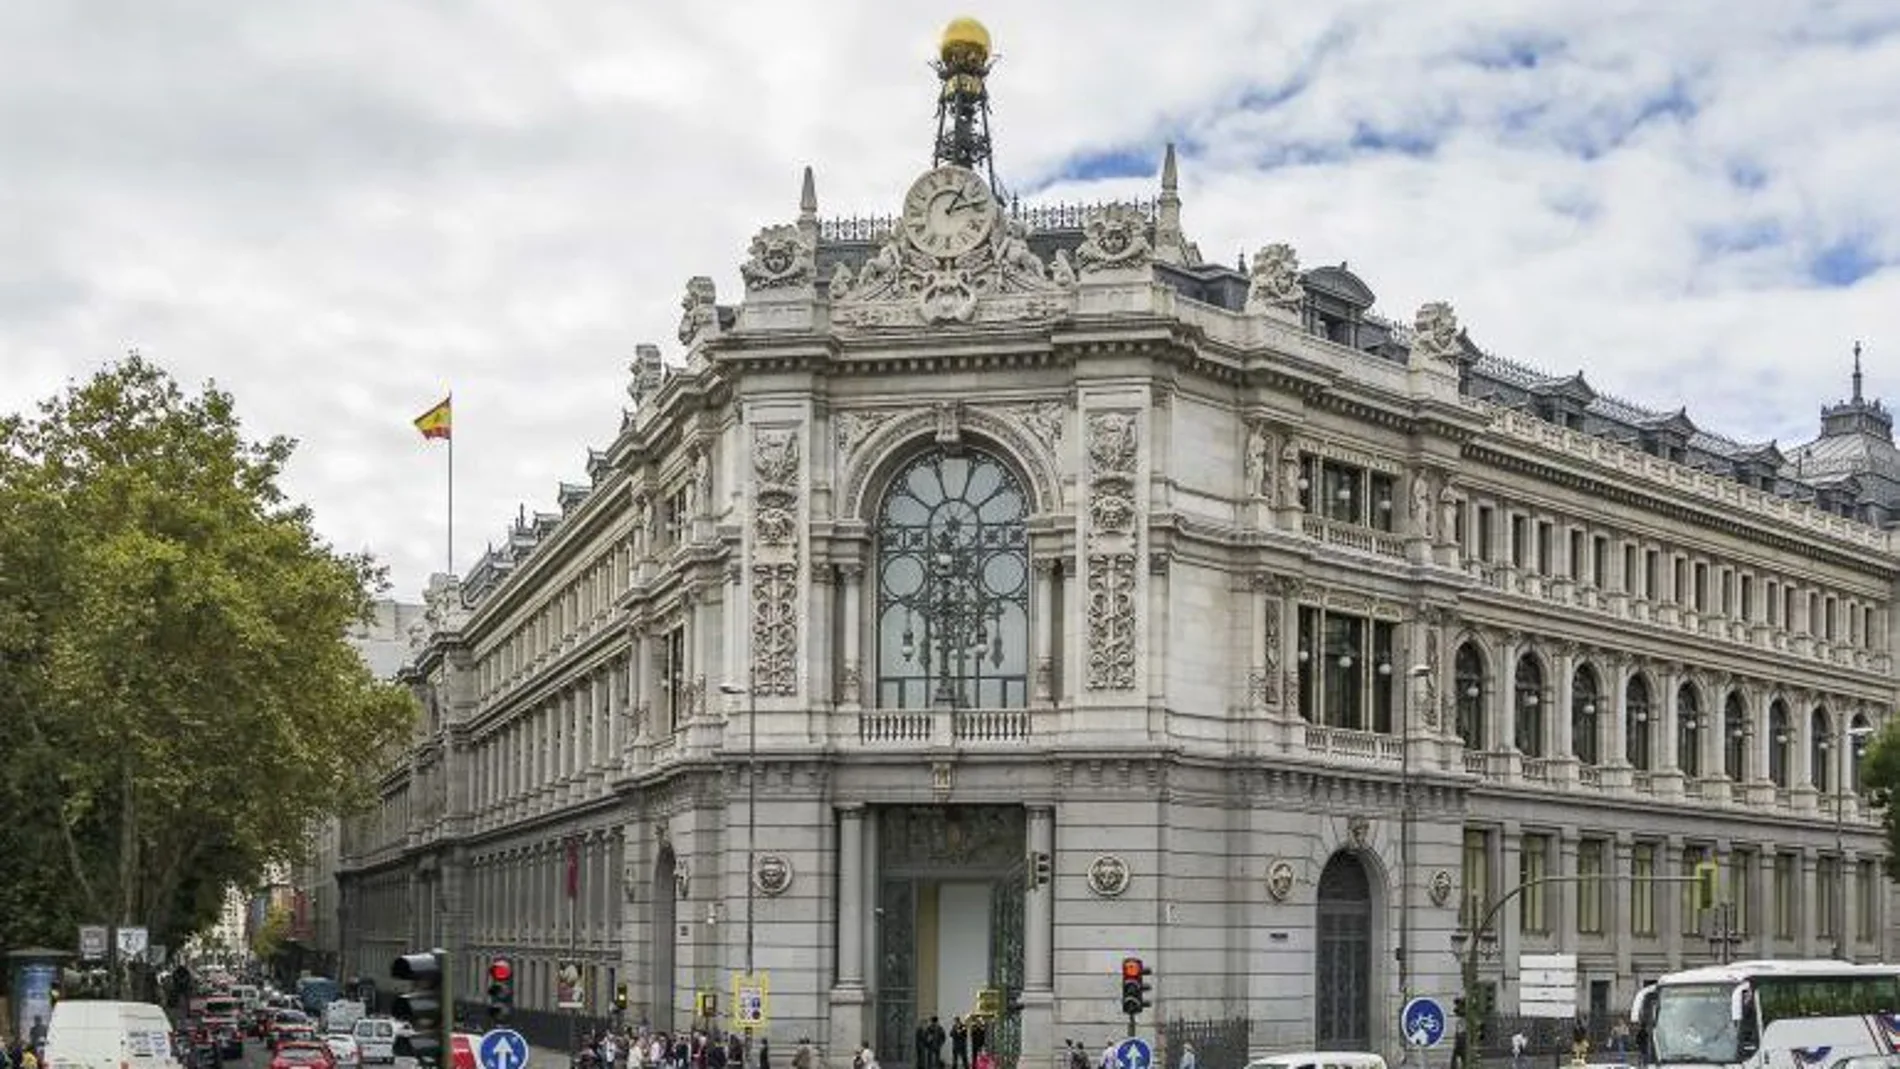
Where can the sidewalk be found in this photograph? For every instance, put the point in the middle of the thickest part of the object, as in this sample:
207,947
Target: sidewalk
547,1058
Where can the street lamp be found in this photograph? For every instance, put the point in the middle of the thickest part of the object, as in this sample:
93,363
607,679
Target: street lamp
1418,672
751,690
1851,737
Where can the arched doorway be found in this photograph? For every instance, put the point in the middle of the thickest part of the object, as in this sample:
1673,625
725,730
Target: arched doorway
665,926
1342,960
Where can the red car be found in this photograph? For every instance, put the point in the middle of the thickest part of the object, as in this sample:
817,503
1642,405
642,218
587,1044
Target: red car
462,1050
301,1055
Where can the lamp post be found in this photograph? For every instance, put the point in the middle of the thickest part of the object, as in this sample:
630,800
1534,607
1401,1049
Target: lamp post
1419,673
751,690
1847,742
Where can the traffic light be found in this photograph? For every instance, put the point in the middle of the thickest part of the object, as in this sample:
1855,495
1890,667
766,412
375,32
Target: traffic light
1705,885
1041,869
1134,986
1458,1006
501,989
620,996
424,1006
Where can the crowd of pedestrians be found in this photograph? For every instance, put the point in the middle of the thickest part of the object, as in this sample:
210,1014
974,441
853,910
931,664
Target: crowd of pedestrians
648,1048
28,1053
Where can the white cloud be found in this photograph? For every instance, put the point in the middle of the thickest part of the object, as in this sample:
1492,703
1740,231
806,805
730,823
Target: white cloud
341,209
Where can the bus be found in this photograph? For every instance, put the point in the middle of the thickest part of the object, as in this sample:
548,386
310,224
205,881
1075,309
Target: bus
1782,1014
316,992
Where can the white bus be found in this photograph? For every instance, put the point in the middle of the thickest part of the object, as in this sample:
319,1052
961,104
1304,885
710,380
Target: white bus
1787,1014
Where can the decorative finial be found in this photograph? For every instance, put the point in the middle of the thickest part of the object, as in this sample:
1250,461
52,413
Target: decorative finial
1857,371
1170,180
963,104
808,196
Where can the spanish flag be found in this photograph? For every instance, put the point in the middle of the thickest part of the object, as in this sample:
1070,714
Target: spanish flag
435,422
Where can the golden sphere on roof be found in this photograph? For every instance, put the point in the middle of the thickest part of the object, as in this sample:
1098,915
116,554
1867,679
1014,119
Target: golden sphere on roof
963,36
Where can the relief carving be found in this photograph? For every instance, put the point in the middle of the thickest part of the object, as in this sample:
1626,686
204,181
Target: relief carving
1436,333
699,309
1113,455
1275,284
1114,238
779,258
775,462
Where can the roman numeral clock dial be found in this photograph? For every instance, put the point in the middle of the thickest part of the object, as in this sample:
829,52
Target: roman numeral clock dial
948,212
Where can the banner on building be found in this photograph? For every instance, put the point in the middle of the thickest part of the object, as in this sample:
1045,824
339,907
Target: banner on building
569,992
751,1000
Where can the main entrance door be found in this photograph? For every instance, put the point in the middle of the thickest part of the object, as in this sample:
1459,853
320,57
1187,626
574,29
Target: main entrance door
949,920
1342,980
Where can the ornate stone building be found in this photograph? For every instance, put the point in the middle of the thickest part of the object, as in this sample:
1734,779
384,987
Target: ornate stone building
981,533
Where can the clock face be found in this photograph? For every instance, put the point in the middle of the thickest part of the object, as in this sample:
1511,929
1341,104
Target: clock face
948,212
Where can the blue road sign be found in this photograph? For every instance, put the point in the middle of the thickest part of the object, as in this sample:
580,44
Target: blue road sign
1134,1053
1423,1022
502,1049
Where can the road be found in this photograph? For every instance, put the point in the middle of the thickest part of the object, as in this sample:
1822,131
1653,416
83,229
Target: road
257,1056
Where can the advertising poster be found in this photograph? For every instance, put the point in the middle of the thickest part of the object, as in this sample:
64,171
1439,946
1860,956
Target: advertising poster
35,997
568,992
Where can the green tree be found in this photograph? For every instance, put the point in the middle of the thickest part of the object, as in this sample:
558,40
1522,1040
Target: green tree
1880,781
176,694
269,937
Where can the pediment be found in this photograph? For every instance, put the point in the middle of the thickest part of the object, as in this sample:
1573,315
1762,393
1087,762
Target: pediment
1339,282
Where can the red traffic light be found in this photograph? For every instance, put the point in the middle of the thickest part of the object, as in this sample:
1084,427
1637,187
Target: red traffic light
1132,969
500,971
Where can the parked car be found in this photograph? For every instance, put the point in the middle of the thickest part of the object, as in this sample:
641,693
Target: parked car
302,1056
343,1050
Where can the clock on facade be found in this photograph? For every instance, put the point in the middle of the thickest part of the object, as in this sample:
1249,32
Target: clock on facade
948,212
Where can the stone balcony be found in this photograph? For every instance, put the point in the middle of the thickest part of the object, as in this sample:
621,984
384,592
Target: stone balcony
943,729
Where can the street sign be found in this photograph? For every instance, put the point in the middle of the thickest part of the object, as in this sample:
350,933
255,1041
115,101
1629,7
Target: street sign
568,994
1547,985
132,943
1423,1022
1134,1053
504,1048
93,941
751,1000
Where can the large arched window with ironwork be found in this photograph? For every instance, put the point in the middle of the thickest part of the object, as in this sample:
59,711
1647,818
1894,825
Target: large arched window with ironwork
1584,700
1780,739
1735,734
1688,731
1857,737
1636,721
1468,671
1530,706
953,584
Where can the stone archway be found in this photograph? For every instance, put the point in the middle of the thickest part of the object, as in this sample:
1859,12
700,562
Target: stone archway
665,931
1342,959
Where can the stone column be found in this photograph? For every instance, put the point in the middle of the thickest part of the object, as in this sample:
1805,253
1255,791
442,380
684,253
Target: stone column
1038,1020
1621,919
851,677
1669,901
850,1002
1510,920
1567,893
1810,899
1043,628
1613,707
1850,902
1562,722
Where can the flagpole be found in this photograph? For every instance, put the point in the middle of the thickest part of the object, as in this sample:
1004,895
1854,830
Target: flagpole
451,538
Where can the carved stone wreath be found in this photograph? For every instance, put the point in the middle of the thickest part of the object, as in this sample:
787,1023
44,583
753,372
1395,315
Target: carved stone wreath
1280,881
772,874
1109,876
779,257
1440,887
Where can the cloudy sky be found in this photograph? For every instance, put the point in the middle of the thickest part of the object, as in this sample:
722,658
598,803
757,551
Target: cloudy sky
341,209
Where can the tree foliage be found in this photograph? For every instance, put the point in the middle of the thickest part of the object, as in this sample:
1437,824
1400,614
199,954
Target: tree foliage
1880,781
269,937
176,694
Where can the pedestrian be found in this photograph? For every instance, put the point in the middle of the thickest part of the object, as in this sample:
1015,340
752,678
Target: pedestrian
1187,1057
765,1053
804,1057
959,1044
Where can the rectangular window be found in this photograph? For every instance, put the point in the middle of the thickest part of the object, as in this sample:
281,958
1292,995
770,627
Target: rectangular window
1741,889
1533,863
1643,889
1828,617
1827,887
673,676
1576,554
1308,659
1600,563
1784,904
1543,548
1748,598
1771,600
1519,540
1477,878
1344,492
1866,900
1688,914
1651,562
1460,529
1629,568
1383,511
1679,582
1344,653
1590,854
1701,587
1487,552
1725,583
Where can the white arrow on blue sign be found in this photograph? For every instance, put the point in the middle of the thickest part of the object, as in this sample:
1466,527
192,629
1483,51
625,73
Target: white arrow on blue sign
1134,1053
1423,1022
504,1048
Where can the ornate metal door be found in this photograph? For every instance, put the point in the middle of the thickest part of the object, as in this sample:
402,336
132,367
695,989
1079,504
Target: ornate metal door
1006,959
896,969
1342,978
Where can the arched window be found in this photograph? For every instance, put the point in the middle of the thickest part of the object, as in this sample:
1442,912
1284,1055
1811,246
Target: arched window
1583,714
953,585
1780,741
1636,721
1735,738
1469,672
1688,732
1858,736
1530,707
1819,747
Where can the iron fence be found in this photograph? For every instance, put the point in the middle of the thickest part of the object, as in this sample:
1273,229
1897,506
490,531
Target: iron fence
550,1029
1218,1043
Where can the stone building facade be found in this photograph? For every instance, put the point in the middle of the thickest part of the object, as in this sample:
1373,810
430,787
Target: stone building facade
1294,638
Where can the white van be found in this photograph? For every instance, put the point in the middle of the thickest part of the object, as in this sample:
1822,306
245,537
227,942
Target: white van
109,1035
375,1038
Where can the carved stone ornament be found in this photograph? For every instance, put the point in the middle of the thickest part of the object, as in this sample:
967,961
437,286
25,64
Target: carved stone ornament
774,561
1280,880
1114,238
647,373
1269,684
1042,419
1440,887
1112,447
779,257
1420,512
1256,460
1290,475
629,880
851,427
998,280
699,309
1275,283
772,875
1435,333
1359,831
682,885
1109,876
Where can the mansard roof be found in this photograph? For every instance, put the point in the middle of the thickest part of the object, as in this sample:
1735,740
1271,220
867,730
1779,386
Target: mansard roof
1341,283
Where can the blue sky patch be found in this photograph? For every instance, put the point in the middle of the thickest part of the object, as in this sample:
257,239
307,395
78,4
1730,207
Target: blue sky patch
1843,263
1126,162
